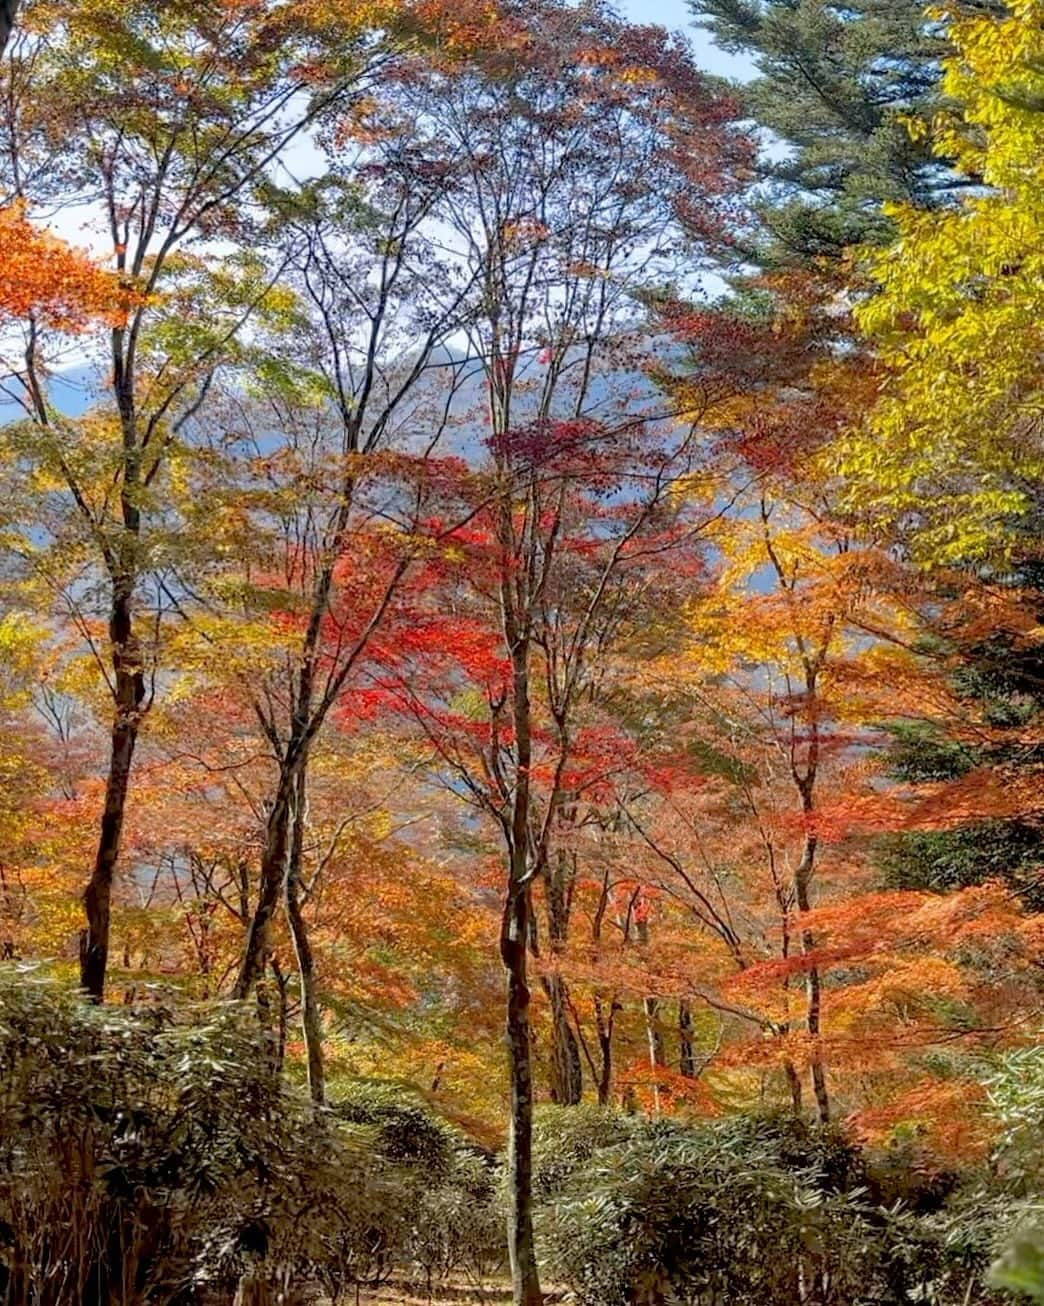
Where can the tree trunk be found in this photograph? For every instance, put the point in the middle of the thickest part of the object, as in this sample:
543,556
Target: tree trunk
813,986
794,1083
274,857
687,1064
567,1081
311,1016
513,949
278,1039
653,1032
253,1290
657,1054
129,682
605,1047
650,1290
8,10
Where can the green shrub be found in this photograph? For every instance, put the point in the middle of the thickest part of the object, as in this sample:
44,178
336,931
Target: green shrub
762,1211
143,1155
403,1131
449,1220
1020,1267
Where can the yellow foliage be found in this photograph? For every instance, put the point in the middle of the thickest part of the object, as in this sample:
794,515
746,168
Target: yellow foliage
953,448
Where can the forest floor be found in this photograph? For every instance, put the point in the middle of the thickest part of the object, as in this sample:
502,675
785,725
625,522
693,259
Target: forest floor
397,1295
486,1294
417,1297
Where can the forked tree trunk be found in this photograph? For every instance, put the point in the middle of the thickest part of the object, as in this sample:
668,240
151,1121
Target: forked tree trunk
257,948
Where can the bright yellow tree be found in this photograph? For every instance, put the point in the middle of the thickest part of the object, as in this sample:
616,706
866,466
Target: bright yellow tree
952,455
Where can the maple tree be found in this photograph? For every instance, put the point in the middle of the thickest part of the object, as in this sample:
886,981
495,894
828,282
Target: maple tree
45,280
556,280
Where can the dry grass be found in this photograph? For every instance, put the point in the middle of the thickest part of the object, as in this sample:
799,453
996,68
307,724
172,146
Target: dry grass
441,1295
454,1294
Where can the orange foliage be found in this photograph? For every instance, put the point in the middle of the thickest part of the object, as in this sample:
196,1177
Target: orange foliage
41,276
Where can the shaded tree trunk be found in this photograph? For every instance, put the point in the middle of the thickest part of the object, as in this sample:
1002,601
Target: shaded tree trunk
567,1083
794,1084
605,1020
513,950
274,857
687,1063
282,1020
253,1290
514,953
129,684
311,1016
605,1024
8,11
651,1290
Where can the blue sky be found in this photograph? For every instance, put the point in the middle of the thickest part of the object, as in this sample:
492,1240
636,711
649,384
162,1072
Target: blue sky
676,15
668,13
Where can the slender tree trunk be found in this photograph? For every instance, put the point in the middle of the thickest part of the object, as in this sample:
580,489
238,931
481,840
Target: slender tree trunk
605,1020
123,562
657,1057
794,1084
311,1016
129,682
657,1053
279,1041
268,1021
687,1064
567,1082
653,1032
605,1048
513,950
813,984
514,946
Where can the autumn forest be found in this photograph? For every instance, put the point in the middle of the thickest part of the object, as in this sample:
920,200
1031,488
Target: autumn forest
522,631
